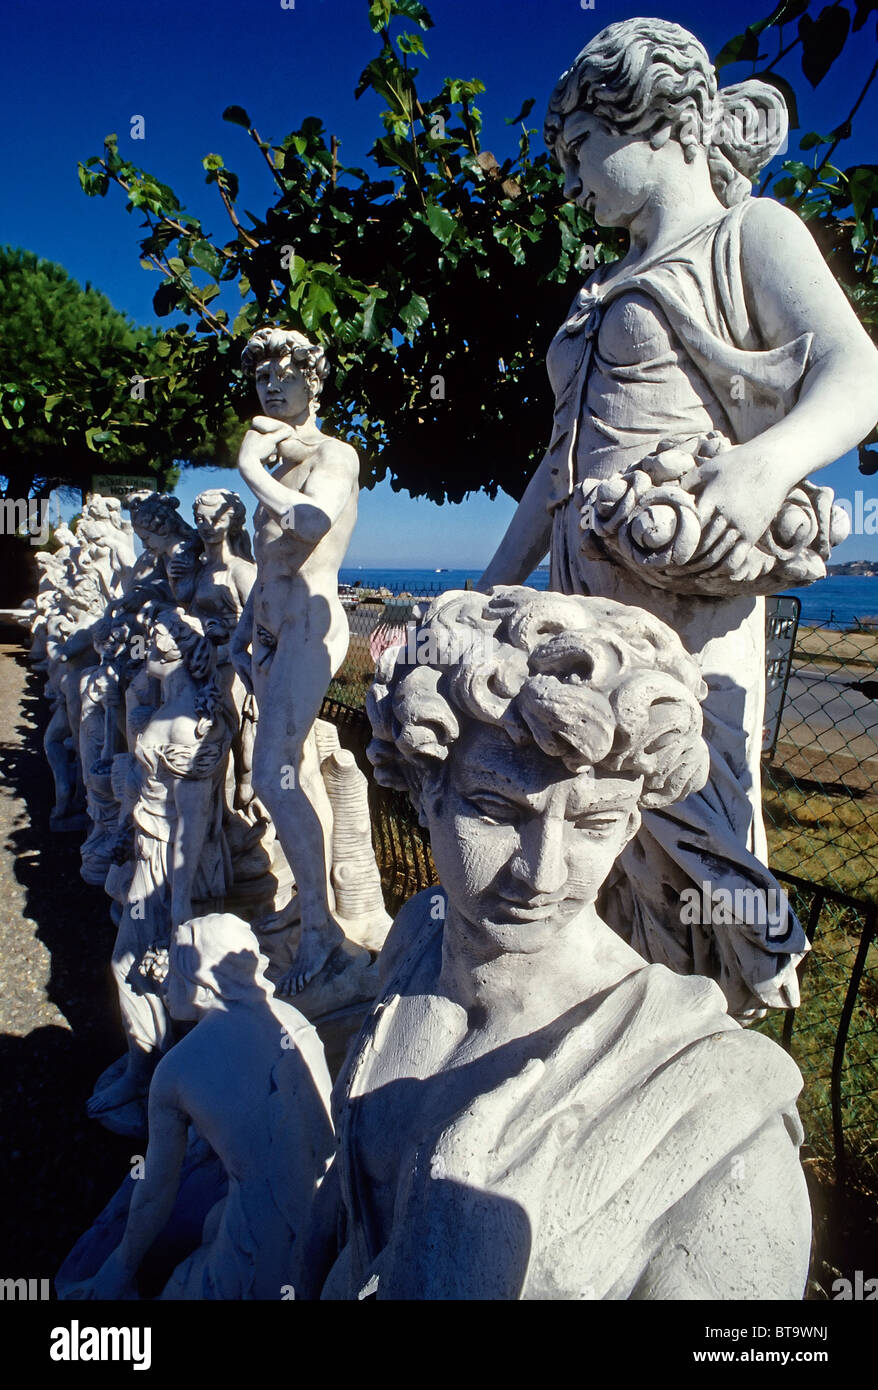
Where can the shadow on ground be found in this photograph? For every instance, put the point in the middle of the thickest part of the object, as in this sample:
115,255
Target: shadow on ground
57,1168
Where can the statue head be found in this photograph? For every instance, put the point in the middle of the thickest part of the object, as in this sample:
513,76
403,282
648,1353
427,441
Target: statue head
64,535
289,372
157,522
650,79
528,729
219,512
213,960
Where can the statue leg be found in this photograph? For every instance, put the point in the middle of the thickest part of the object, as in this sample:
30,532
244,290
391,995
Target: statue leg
290,684
144,1020
195,802
144,922
58,759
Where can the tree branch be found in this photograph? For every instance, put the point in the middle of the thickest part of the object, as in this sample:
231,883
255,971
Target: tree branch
265,151
233,217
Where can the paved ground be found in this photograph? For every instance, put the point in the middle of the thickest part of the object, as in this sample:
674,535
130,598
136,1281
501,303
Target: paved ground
58,1018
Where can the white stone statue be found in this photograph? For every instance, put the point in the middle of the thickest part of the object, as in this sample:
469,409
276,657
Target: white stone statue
532,1111
251,1080
79,603
109,539
101,738
294,635
697,382
179,853
171,552
220,588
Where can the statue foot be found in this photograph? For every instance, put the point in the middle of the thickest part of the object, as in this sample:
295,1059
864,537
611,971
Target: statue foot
315,948
122,1091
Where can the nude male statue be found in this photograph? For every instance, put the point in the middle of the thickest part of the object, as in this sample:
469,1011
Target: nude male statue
293,623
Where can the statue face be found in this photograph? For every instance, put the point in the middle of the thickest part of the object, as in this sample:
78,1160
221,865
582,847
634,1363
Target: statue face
611,176
212,519
163,653
282,390
521,844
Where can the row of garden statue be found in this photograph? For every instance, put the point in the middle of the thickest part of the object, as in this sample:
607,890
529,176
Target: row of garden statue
552,1095
154,746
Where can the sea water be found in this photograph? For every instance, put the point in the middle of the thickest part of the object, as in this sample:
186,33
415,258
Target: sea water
841,600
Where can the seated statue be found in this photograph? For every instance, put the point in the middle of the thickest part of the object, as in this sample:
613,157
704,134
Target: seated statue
532,1111
251,1080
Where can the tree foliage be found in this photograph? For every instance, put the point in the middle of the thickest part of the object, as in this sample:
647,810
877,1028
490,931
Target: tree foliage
70,405
437,276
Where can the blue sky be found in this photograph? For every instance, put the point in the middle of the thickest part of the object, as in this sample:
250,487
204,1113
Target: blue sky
73,73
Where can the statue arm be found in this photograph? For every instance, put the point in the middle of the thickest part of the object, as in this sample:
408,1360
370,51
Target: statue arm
257,447
527,537
333,479
155,1193
152,1200
239,646
791,292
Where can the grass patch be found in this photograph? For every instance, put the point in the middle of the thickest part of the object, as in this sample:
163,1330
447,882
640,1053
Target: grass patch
825,837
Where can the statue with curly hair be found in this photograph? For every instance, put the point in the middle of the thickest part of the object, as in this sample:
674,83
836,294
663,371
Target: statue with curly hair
173,834
697,382
293,635
531,1110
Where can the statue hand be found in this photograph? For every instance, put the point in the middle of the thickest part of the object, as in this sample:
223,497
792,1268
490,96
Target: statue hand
736,497
262,440
178,565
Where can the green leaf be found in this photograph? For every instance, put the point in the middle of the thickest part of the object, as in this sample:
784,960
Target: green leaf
808,141
206,258
382,11
523,113
440,222
236,115
864,9
212,162
415,312
245,319
822,41
411,43
743,48
318,304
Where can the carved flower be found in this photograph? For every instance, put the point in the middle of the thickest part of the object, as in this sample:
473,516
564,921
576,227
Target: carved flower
652,526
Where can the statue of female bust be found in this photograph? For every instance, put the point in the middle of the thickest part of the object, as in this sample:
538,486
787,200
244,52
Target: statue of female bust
709,364
531,1110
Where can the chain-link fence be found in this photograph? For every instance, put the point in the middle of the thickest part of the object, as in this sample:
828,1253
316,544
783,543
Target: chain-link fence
378,618
820,796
